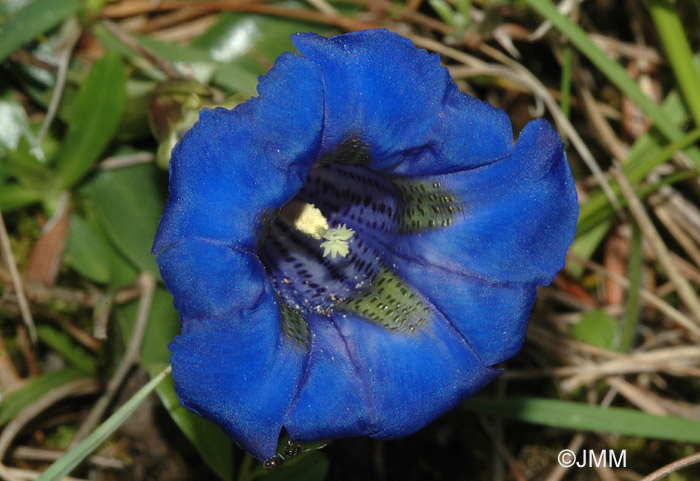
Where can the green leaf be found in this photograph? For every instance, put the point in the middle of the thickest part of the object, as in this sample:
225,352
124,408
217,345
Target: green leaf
34,389
34,19
64,345
14,196
163,326
586,417
585,245
95,118
87,251
128,203
680,56
75,456
597,328
123,272
443,9
211,442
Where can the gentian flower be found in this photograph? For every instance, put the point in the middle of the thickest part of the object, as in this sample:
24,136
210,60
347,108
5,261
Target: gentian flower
436,230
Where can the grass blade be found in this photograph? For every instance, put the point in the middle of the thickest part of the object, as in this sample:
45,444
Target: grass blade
75,456
586,417
679,54
635,273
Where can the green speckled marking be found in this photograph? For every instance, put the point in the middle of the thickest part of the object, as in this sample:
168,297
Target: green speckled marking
389,302
293,323
424,205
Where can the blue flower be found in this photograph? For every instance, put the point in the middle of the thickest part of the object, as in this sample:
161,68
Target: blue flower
446,225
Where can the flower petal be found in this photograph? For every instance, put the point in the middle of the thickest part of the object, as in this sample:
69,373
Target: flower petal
372,376
333,401
394,103
492,317
210,280
241,372
517,216
233,166
412,378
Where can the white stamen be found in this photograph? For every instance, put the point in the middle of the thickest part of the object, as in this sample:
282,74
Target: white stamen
336,241
307,218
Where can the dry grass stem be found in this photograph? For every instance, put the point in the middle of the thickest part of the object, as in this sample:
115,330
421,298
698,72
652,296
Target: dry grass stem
156,60
684,289
673,467
171,19
70,33
689,270
77,387
637,396
11,264
186,31
686,242
559,471
142,7
607,137
40,294
323,6
617,49
16,474
37,454
131,357
647,296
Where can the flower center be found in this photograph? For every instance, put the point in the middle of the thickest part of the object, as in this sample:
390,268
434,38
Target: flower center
342,191
308,219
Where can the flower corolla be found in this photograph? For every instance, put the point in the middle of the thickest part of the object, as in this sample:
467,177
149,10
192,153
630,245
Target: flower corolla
442,225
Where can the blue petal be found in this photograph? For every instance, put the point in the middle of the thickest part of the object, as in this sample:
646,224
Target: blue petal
210,280
519,215
403,105
367,380
412,378
241,372
333,401
491,317
233,166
